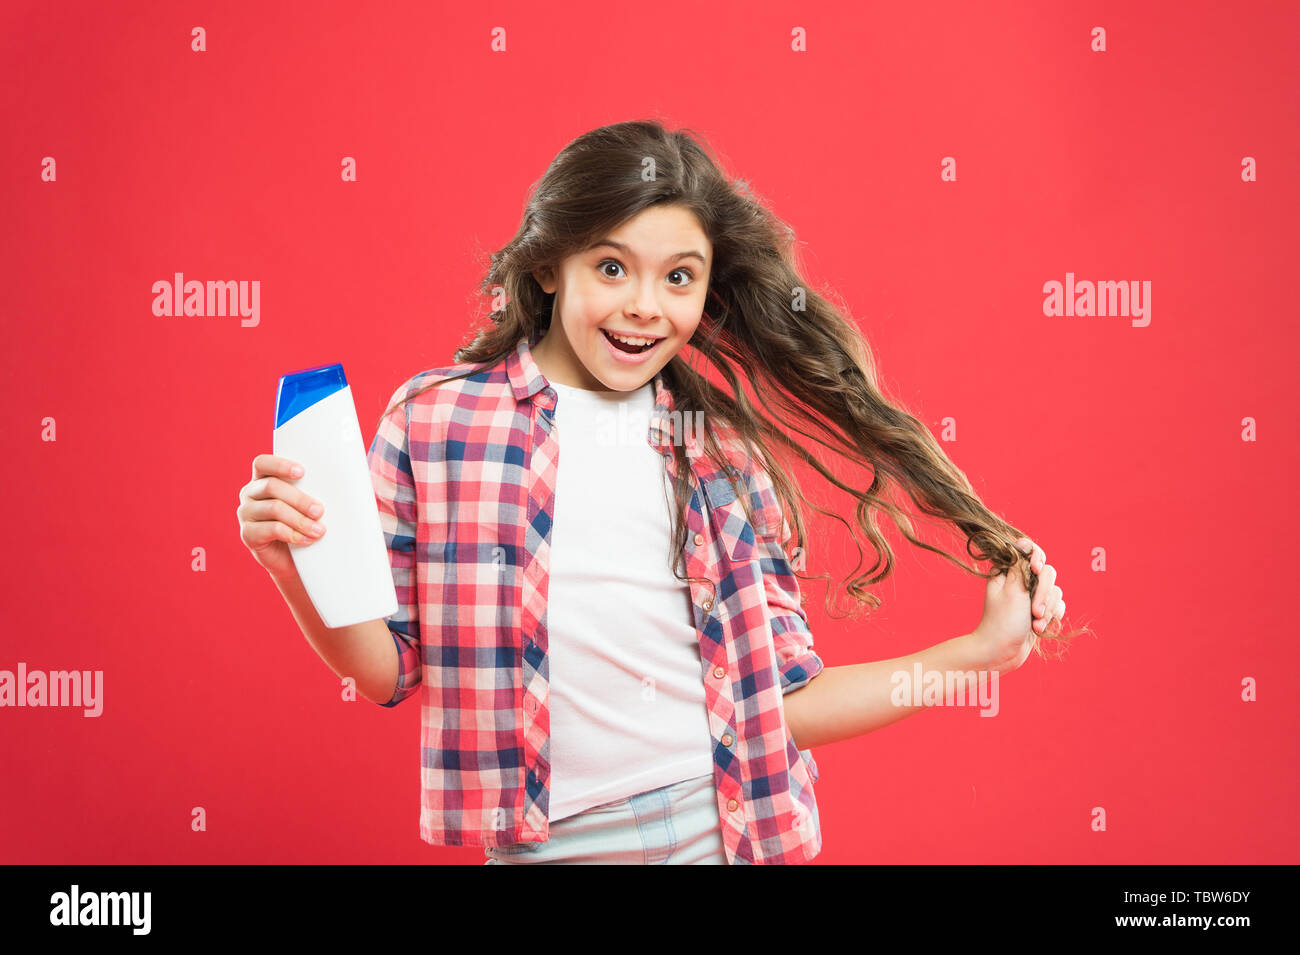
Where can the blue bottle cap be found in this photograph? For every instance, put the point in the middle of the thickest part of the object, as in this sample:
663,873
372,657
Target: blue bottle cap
300,390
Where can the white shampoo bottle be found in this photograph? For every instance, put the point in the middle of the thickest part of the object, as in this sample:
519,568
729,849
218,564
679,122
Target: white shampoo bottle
346,572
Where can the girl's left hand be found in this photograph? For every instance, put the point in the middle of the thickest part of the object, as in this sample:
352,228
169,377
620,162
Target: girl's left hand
1047,602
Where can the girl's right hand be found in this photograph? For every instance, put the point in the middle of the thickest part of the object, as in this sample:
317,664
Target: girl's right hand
274,514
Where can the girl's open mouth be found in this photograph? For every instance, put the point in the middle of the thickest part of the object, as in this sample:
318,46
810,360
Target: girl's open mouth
622,348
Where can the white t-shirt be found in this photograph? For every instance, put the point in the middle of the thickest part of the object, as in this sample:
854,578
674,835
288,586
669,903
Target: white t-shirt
626,679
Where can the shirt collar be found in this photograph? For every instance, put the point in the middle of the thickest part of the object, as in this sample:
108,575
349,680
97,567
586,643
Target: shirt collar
527,381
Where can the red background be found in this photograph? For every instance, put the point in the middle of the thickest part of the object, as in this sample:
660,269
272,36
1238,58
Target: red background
1085,432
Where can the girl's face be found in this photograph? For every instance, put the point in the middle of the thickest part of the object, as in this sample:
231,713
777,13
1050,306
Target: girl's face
646,280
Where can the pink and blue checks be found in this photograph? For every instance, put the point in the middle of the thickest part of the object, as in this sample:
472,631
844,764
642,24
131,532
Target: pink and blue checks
464,477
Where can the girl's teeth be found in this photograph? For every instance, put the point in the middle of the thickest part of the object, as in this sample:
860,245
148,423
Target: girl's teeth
632,341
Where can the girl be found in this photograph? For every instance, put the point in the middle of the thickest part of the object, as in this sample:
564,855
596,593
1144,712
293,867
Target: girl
614,659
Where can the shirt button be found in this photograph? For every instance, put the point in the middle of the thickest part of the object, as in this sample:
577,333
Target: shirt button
699,539
708,603
726,739
732,805
719,672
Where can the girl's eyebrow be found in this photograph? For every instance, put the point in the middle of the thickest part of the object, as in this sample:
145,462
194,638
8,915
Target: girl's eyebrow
689,254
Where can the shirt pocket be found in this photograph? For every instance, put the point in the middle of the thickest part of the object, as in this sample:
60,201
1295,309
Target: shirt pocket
731,527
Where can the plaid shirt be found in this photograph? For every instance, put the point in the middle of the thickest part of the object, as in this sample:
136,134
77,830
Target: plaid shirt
464,477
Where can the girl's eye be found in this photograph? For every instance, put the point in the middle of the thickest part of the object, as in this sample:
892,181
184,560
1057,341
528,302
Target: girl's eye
687,272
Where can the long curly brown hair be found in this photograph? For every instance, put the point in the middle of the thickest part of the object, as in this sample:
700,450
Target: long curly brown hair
808,366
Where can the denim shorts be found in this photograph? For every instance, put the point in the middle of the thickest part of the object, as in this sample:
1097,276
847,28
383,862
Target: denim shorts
673,825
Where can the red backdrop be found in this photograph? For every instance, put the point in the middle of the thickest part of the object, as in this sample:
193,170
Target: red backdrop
1088,432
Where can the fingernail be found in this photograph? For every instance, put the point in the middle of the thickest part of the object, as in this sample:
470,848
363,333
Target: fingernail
314,510
318,528
296,470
